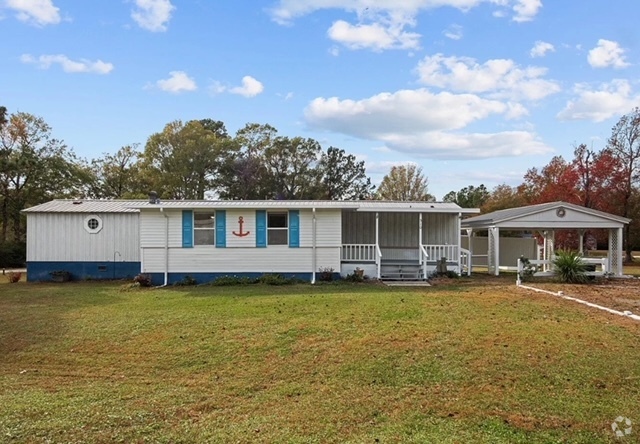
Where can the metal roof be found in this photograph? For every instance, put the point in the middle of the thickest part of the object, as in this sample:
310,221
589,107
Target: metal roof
85,206
413,207
195,204
134,206
358,205
502,216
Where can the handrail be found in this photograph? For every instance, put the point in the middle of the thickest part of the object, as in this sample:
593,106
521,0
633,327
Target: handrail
467,260
425,257
378,259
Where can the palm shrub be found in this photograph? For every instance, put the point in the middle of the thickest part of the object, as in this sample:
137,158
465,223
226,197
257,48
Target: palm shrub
569,267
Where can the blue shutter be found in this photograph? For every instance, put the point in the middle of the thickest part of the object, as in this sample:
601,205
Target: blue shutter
187,229
294,228
221,228
261,228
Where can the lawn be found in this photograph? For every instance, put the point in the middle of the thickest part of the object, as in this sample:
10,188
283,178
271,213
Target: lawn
476,361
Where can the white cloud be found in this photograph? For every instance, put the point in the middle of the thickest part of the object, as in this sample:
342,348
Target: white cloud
250,87
424,124
375,36
444,145
68,65
288,10
177,82
607,53
453,32
152,15
540,49
609,100
500,77
526,10
37,12
382,23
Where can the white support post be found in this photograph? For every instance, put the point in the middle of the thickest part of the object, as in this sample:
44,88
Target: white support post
620,253
420,255
378,242
496,252
313,247
470,248
581,242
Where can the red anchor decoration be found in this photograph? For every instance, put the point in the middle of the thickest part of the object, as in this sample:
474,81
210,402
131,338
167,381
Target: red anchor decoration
241,223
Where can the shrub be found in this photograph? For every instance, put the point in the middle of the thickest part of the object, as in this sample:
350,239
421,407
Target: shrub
233,280
144,280
569,267
356,276
14,276
326,274
276,279
186,281
528,269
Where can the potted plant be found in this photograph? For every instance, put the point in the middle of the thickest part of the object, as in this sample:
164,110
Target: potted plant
60,276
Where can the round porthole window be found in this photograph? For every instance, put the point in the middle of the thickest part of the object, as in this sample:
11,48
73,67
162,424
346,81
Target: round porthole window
93,224
560,212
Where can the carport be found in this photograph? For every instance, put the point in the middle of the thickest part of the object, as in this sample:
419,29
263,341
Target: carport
546,219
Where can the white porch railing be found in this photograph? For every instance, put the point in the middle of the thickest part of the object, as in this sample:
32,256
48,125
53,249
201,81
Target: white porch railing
359,253
437,252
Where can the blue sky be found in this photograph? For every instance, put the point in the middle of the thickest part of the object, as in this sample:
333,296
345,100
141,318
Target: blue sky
474,91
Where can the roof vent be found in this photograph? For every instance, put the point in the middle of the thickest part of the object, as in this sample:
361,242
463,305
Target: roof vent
153,197
77,202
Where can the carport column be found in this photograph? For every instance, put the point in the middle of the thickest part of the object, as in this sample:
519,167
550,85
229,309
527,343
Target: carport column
378,259
424,271
581,242
493,259
620,251
615,254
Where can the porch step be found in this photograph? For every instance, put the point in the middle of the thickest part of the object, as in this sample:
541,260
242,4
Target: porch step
401,271
406,283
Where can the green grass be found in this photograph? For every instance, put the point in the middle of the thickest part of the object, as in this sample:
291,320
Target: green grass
472,362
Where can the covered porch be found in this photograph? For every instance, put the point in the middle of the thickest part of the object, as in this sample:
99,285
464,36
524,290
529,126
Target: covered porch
403,241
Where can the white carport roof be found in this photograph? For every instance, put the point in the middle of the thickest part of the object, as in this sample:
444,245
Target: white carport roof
546,216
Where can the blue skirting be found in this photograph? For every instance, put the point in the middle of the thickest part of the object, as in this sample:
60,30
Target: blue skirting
40,271
204,278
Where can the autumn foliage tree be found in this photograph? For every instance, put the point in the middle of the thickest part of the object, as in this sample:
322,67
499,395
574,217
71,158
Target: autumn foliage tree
405,183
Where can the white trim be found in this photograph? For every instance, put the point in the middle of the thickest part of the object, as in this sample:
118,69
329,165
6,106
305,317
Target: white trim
88,220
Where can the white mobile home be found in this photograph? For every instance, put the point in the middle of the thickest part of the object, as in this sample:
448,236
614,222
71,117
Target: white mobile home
208,239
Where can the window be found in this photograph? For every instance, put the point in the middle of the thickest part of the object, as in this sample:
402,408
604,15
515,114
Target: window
277,229
92,224
204,227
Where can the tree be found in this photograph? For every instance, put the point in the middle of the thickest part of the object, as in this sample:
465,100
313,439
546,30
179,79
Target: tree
624,144
34,168
405,183
342,177
243,174
558,180
502,197
291,162
181,161
468,197
117,175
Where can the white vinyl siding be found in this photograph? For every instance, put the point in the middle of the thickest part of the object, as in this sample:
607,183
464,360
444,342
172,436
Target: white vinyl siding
58,237
241,255
240,260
